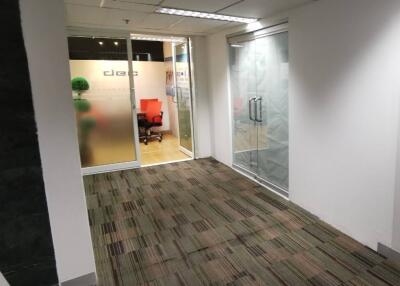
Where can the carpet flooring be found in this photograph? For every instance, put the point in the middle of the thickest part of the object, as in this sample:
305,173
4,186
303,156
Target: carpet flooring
201,223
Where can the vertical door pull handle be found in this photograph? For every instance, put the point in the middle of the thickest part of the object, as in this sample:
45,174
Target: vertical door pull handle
259,111
175,92
251,100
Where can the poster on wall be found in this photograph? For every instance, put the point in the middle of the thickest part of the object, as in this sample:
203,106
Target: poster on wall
169,80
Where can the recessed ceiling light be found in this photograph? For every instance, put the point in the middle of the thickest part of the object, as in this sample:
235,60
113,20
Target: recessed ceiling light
101,43
116,43
197,14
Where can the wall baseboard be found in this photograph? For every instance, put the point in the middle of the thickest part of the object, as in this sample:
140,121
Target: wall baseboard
85,280
388,252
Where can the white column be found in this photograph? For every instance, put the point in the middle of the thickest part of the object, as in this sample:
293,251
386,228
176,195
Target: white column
43,27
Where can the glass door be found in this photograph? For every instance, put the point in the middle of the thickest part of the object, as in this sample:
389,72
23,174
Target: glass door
102,97
183,96
244,95
272,68
259,68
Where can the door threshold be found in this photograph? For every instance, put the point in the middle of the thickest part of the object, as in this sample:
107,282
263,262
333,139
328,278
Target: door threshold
164,163
276,190
185,151
110,168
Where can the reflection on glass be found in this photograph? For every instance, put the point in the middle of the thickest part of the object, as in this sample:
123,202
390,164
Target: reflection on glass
243,89
183,95
259,87
105,125
272,86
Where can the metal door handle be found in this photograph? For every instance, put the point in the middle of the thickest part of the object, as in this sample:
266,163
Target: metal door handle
250,109
259,99
175,91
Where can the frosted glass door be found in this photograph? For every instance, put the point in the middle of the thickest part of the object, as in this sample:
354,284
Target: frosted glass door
104,108
272,108
183,95
244,94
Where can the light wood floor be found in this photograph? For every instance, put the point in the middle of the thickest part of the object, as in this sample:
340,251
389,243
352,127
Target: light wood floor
159,152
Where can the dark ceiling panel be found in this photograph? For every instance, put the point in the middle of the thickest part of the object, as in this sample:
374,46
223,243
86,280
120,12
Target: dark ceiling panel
81,48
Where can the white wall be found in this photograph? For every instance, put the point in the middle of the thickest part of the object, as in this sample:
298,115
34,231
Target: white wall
344,112
344,105
201,100
218,79
45,41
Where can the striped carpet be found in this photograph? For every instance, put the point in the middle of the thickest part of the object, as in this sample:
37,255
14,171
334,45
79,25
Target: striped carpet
201,223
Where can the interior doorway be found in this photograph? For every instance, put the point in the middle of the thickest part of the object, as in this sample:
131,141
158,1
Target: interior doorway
133,100
170,85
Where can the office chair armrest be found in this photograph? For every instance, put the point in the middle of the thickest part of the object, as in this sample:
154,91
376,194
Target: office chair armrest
158,116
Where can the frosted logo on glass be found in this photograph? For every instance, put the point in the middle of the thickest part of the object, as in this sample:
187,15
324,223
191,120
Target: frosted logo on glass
118,73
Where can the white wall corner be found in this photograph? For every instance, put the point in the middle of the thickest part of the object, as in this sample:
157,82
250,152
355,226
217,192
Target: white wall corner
201,104
43,28
3,281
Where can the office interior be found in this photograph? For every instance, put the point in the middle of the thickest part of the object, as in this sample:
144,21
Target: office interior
168,142
106,128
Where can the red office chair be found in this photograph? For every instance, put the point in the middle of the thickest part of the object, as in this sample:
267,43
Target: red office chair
144,102
154,117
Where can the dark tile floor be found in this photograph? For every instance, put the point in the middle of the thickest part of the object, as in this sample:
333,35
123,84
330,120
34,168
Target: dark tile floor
201,223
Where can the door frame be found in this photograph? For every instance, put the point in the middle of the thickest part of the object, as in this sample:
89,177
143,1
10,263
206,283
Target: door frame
191,90
117,34
244,37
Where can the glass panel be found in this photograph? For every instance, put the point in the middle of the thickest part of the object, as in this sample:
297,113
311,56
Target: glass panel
243,89
182,71
272,68
102,100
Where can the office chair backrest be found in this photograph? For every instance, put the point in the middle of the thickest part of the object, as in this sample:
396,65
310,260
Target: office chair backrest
144,102
153,112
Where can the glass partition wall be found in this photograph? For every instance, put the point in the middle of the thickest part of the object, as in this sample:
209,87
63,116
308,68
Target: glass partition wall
102,96
259,67
103,75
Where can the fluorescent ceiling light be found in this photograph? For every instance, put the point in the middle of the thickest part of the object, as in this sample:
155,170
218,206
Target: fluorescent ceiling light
157,38
196,14
236,46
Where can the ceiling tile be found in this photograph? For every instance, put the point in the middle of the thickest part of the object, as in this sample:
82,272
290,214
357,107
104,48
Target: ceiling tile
159,21
228,25
116,17
84,2
197,25
152,2
87,13
203,5
84,14
123,5
261,8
